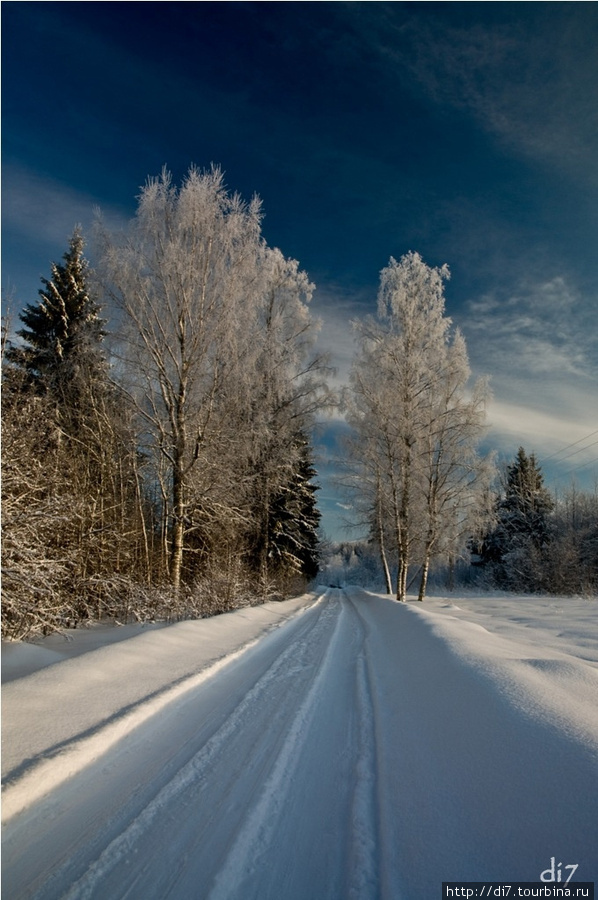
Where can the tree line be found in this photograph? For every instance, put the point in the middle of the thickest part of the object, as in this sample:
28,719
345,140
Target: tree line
538,541
163,467
529,541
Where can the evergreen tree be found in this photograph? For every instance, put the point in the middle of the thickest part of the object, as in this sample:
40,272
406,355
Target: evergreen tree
63,334
294,519
527,501
514,547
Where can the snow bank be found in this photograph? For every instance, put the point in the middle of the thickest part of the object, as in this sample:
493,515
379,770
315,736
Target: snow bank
75,704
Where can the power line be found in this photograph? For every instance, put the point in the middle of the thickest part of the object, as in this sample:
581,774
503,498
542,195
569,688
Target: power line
576,469
575,452
574,444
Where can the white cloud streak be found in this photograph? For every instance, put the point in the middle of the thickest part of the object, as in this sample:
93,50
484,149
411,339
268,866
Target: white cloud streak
540,347
43,210
338,308
40,215
529,79
544,329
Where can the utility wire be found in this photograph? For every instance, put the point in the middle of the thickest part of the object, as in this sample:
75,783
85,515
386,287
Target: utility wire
575,452
574,444
576,469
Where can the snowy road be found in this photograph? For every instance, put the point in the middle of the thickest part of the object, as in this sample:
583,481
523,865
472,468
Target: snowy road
363,749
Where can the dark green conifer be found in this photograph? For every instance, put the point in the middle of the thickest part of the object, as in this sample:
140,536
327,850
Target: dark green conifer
513,548
61,355
294,518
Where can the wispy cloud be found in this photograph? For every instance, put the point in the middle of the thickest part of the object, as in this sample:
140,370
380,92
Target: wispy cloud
529,78
539,328
39,215
540,348
564,442
512,424
338,307
41,209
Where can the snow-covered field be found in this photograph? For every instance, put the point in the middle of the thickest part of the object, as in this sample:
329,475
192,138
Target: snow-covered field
339,745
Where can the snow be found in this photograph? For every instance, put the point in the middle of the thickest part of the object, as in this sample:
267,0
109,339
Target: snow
339,745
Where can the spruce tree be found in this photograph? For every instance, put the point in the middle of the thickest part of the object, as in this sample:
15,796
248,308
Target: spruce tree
294,519
61,355
527,501
514,547
70,488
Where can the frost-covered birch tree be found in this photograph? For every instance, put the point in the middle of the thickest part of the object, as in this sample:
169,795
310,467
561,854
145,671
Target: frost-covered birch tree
409,401
185,278
454,477
369,464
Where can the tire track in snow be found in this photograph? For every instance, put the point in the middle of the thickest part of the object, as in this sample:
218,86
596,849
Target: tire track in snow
258,829
363,874
197,770
373,874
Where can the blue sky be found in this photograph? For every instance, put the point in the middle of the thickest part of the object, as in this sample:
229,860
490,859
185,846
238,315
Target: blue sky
465,131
